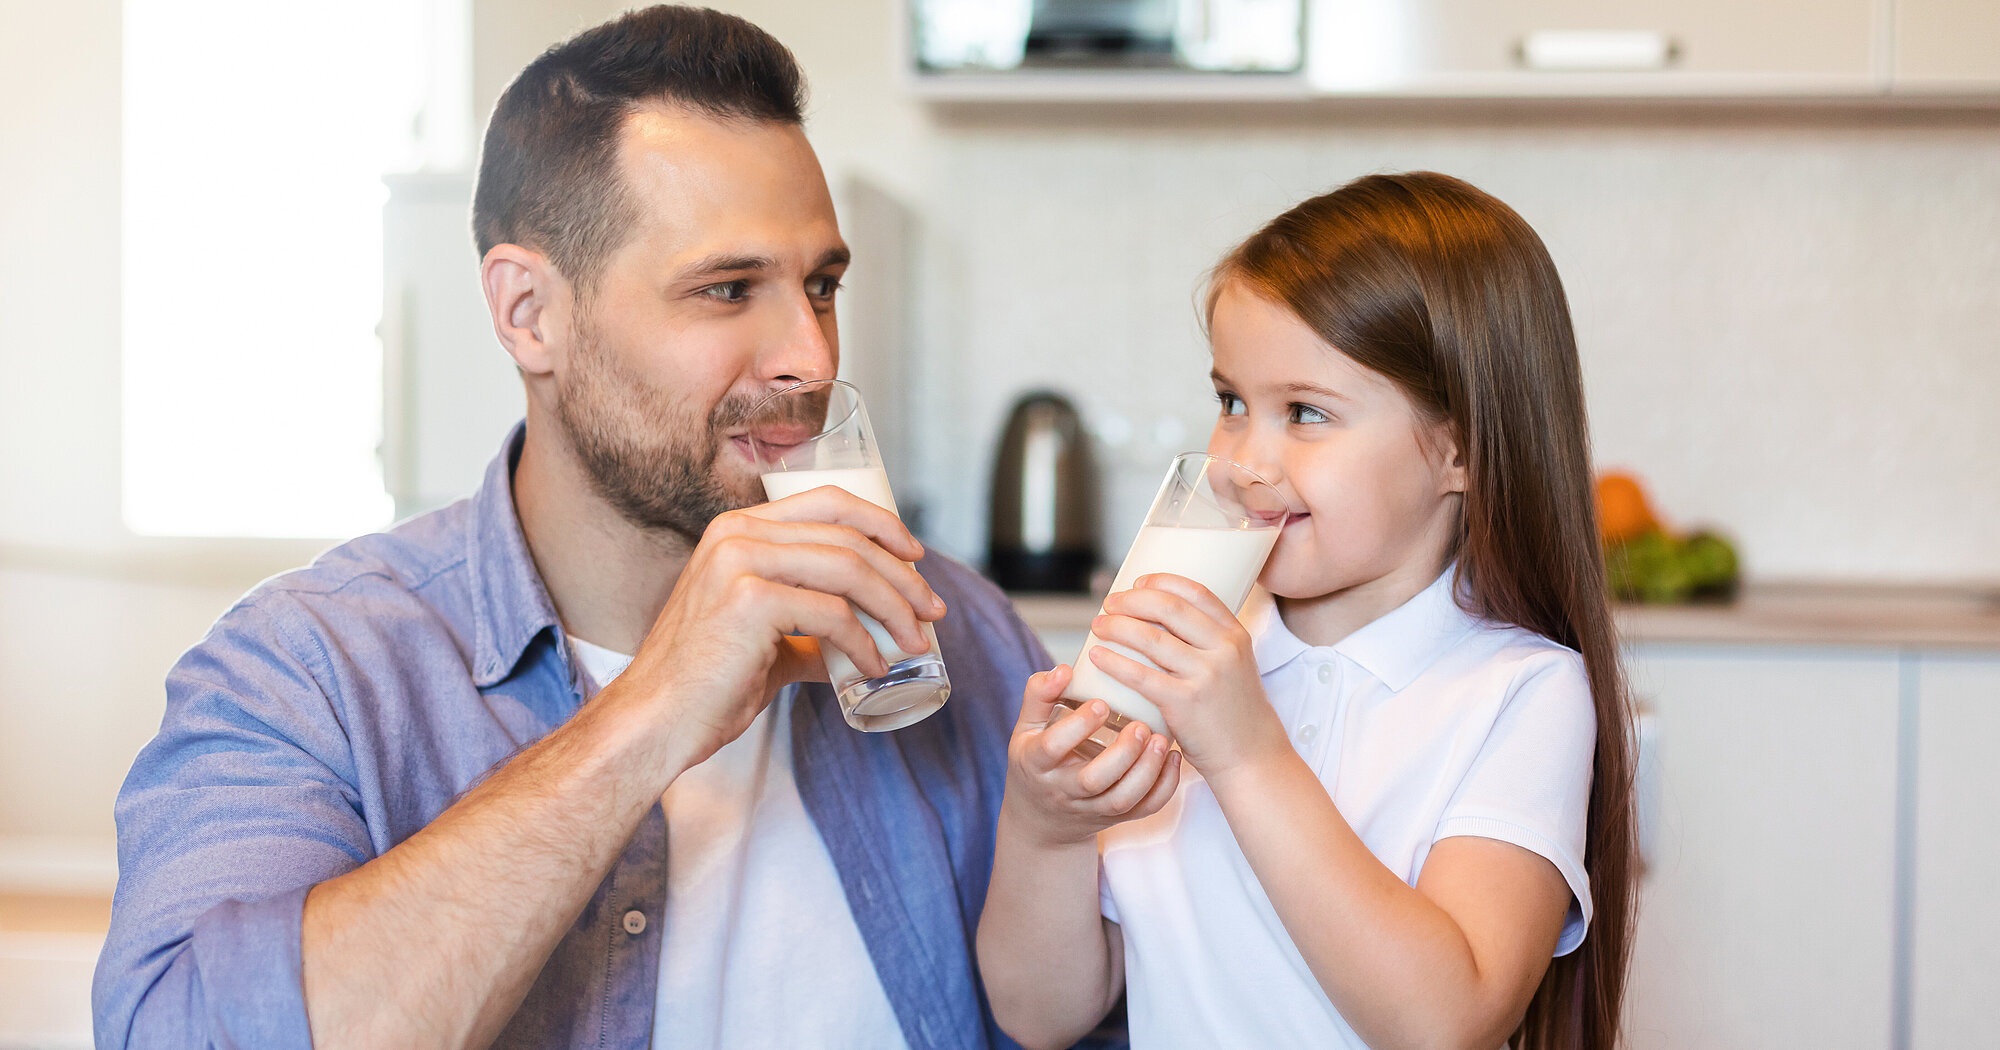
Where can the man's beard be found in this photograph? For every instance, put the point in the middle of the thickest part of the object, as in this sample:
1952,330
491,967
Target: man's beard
652,458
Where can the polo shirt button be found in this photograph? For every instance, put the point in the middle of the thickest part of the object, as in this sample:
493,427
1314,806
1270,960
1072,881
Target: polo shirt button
635,922
1307,732
1325,673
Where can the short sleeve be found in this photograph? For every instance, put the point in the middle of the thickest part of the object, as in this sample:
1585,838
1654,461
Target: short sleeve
1530,783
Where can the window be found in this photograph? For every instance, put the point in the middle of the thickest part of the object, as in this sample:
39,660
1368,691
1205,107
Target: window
256,135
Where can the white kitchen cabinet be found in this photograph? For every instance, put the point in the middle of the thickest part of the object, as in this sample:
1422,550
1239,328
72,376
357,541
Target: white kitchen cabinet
1946,47
1767,915
1955,964
1597,47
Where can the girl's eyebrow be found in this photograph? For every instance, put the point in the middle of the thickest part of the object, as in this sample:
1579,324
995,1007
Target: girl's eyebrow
1215,376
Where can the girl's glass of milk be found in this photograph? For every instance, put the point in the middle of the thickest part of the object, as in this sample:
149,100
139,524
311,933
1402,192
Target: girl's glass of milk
817,433
1213,522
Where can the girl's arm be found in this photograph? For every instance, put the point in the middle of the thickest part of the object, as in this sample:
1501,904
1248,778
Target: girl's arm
1451,962
1052,965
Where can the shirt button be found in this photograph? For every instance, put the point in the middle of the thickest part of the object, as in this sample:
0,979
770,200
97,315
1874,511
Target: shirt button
1325,673
635,922
1307,732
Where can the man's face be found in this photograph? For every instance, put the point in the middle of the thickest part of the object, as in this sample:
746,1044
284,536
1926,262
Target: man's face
722,293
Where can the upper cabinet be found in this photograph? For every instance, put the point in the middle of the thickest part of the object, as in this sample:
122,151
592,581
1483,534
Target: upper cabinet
1946,47
1107,50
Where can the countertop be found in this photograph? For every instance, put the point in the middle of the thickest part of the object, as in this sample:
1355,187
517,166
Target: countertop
1867,615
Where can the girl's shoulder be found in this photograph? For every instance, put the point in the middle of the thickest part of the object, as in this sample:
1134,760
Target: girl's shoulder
1516,661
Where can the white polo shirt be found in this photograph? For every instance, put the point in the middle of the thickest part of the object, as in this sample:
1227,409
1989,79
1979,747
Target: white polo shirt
760,948
1426,724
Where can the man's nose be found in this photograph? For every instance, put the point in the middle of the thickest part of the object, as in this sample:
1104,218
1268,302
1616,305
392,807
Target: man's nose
800,345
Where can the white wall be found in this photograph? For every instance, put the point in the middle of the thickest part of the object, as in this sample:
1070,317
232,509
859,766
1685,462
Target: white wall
1786,319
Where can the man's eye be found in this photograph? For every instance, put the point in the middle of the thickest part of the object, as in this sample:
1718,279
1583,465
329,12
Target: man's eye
1231,404
728,291
1307,414
823,287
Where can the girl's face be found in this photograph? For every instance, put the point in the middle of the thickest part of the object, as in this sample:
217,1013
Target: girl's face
1374,489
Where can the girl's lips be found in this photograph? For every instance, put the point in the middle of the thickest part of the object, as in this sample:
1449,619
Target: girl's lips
1297,516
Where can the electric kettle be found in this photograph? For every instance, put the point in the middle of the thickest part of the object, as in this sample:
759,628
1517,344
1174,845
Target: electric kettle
1042,533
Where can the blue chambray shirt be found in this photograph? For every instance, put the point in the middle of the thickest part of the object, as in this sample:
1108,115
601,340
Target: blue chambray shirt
337,709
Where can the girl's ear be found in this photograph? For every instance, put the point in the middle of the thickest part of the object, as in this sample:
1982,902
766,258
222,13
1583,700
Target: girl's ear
1450,459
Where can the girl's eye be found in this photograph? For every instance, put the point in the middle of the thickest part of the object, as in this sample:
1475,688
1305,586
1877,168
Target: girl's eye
1303,414
728,291
823,286
1231,404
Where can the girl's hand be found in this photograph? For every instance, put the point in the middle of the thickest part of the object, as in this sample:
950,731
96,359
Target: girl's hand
1207,686
1056,796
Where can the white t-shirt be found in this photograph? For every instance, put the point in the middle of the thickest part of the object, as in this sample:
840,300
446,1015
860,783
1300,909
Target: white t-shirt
759,948
1426,724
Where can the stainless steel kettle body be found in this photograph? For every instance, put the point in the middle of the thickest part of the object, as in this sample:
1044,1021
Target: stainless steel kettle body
1042,533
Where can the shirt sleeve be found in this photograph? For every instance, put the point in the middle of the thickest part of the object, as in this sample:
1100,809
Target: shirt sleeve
1530,783
241,804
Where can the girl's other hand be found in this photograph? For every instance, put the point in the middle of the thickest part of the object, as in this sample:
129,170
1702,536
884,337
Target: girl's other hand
1057,796
1206,685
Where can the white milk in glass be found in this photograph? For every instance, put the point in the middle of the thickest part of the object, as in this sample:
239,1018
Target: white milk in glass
871,484
1226,561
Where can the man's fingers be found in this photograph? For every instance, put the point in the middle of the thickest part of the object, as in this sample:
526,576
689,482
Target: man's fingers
836,506
839,571
828,618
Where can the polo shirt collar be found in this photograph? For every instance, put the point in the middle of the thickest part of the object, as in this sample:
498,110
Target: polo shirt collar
1395,648
510,605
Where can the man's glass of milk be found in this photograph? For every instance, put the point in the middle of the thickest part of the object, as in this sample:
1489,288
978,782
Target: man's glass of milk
1213,522
817,433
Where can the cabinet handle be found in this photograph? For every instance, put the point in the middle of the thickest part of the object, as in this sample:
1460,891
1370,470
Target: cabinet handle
1596,50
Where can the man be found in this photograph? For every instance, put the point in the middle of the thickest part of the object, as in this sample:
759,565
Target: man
380,811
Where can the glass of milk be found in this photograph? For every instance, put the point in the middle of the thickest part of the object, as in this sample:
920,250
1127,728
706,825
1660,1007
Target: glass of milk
817,433
1213,522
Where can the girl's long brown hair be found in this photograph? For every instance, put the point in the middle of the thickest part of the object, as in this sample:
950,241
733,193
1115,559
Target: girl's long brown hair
1450,294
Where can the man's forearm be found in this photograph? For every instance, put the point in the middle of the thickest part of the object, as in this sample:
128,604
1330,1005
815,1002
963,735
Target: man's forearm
437,941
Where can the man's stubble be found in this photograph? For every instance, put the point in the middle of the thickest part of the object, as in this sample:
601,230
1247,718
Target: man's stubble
653,458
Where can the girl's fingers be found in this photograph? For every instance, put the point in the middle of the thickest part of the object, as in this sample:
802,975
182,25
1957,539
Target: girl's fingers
1148,682
1146,638
1182,606
1133,787
1162,789
1104,770
1055,743
1038,700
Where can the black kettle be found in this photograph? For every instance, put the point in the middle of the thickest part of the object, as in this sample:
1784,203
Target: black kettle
1042,524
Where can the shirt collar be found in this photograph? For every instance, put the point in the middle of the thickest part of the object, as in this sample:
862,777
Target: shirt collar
1395,647
510,604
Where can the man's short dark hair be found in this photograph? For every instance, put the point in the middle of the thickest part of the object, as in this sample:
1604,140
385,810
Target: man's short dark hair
548,175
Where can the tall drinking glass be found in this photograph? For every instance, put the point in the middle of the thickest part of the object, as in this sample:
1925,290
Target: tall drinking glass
1213,522
817,433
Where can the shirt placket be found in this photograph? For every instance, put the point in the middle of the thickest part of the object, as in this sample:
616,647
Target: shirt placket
1318,713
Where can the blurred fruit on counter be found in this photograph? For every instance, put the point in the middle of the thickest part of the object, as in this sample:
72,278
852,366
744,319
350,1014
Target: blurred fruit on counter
1647,563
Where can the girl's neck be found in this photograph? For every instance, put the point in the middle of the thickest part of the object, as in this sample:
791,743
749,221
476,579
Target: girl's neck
1325,619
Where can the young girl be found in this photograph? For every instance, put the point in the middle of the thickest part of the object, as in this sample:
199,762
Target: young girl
1411,760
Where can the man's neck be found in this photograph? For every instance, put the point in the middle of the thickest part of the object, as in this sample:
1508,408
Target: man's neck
608,578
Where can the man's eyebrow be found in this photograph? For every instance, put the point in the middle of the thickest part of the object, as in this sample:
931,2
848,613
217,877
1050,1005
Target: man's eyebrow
721,263
834,257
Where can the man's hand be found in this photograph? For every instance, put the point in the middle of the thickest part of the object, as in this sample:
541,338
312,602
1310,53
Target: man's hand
724,645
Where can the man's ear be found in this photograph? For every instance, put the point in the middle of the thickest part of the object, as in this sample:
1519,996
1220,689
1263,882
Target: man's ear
527,299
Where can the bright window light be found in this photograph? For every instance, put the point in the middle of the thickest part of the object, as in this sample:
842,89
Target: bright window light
256,135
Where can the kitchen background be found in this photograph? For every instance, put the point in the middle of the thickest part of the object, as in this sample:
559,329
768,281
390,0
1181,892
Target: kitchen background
1786,311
